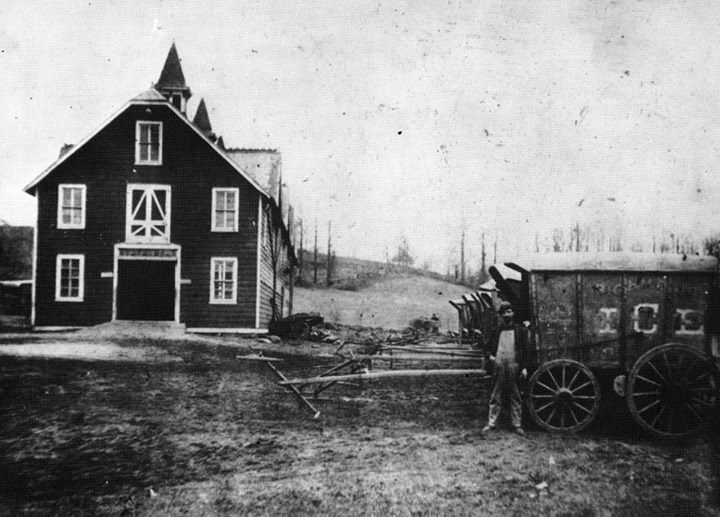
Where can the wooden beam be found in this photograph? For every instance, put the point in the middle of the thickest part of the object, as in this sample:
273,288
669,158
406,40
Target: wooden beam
419,357
255,357
435,351
296,392
384,374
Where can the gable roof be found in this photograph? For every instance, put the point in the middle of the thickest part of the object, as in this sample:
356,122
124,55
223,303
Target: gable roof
172,76
149,97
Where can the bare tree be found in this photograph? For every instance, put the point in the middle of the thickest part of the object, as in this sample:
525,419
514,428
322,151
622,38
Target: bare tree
315,257
329,263
403,257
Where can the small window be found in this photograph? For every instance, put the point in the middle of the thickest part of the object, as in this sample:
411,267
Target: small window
70,278
71,207
223,281
225,210
148,143
176,100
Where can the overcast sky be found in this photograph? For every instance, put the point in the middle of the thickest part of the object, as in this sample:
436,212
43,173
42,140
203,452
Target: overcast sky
402,117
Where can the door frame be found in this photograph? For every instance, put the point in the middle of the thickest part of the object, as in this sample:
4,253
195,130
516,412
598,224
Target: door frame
164,252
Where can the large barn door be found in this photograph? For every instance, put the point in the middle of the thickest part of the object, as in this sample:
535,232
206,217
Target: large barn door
146,290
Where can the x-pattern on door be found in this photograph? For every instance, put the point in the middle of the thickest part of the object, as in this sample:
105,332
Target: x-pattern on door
148,213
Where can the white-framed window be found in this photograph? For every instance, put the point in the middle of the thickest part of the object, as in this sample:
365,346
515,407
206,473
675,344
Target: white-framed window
148,213
225,209
223,280
148,142
70,278
71,207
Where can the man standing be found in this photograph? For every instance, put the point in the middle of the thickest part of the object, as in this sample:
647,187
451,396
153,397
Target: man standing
509,350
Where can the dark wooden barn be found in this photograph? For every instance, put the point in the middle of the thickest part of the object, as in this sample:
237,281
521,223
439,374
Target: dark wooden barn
151,218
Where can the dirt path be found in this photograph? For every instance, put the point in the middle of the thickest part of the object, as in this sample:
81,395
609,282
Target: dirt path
207,434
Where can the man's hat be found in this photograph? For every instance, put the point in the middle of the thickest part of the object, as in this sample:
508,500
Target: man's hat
504,306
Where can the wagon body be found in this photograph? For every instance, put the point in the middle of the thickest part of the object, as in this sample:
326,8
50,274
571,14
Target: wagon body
617,311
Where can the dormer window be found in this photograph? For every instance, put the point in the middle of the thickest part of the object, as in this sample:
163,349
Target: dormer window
148,143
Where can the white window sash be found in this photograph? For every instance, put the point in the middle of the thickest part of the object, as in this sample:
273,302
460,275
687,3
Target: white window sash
140,216
59,284
148,144
224,194
71,187
219,266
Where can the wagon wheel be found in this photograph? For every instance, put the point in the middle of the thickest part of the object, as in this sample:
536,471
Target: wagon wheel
672,390
563,395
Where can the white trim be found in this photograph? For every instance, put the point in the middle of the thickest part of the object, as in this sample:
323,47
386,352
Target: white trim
81,277
127,105
258,290
50,328
116,258
213,222
138,160
33,311
83,207
222,301
148,188
221,330
178,283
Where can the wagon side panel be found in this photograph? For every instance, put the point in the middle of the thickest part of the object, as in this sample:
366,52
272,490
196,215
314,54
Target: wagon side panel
555,303
647,310
601,294
688,301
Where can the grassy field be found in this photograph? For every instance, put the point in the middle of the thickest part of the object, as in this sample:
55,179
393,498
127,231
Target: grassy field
391,302
192,430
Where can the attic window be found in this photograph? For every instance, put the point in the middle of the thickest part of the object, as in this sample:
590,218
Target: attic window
148,143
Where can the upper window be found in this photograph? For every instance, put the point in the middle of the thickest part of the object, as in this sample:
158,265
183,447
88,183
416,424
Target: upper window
70,278
223,281
225,210
71,207
148,213
148,143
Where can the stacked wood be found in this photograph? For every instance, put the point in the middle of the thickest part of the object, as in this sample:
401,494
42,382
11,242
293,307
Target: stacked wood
296,326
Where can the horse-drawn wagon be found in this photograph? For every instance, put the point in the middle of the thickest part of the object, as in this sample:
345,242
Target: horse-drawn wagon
649,320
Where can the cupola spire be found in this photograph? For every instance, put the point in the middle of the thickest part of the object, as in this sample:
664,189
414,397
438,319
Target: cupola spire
171,83
202,120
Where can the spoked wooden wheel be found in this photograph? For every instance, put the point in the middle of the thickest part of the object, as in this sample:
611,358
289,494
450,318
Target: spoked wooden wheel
563,395
672,390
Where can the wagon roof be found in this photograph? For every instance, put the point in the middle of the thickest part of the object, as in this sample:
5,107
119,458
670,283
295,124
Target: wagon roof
616,261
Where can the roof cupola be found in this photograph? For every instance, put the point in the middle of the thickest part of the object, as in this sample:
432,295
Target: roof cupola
171,83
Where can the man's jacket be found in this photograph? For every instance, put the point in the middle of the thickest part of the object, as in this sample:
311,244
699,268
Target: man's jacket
524,350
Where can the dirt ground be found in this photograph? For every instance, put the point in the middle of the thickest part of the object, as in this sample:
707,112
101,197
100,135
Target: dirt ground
157,422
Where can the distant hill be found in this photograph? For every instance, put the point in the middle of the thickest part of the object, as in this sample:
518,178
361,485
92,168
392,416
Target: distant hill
391,302
351,274
376,294
16,243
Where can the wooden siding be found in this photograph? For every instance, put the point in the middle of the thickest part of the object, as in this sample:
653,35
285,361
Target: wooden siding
266,271
106,165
